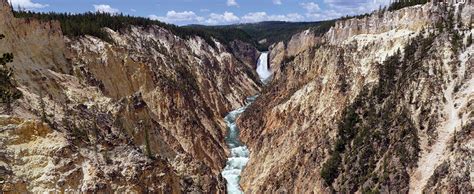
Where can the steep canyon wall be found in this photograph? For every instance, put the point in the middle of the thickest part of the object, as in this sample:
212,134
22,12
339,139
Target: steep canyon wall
142,112
382,103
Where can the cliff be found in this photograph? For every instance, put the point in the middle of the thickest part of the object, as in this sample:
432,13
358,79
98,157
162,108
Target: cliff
140,113
377,104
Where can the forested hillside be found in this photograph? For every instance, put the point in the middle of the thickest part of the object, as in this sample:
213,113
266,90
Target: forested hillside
90,23
268,33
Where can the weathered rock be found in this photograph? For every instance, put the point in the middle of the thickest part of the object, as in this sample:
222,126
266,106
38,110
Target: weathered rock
142,113
351,115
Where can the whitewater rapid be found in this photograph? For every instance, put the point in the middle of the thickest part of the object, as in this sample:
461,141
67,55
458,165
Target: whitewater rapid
239,153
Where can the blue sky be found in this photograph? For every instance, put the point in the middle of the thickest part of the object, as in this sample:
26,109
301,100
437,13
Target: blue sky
212,12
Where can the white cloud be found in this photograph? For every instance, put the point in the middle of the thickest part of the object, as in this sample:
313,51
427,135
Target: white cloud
225,18
339,8
277,2
133,10
154,17
348,3
263,16
105,9
26,4
254,17
314,11
232,3
324,15
188,17
292,17
178,17
311,7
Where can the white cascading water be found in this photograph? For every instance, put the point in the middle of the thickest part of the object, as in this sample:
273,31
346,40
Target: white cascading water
239,154
262,67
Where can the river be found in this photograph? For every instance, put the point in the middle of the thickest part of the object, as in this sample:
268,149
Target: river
239,153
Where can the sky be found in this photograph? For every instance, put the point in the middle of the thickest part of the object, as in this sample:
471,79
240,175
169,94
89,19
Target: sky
211,12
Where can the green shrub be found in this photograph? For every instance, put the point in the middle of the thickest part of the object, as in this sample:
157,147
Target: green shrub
8,92
288,59
330,169
371,191
346,132
469,40
147,144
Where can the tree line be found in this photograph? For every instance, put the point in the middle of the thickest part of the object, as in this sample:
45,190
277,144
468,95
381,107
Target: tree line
399,4
92,23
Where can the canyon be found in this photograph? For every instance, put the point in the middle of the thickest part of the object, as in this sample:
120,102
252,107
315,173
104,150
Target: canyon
141,114
381,103
239,155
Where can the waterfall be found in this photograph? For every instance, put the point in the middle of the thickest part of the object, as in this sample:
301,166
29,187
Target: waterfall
262,67
239,153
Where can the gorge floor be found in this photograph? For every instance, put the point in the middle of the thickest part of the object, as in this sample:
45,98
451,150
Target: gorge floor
239,155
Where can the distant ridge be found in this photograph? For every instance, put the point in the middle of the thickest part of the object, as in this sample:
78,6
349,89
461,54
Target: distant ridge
270,32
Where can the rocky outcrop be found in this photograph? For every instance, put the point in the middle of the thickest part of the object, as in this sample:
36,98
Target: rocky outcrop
245,52
282,52
141,113
382,104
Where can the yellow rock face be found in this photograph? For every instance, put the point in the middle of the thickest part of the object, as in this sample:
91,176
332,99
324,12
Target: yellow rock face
144,113
292,129
29,147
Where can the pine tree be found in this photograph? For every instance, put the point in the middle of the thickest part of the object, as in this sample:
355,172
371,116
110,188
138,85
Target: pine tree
147,144
399,4
8,91
42,105
469,40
